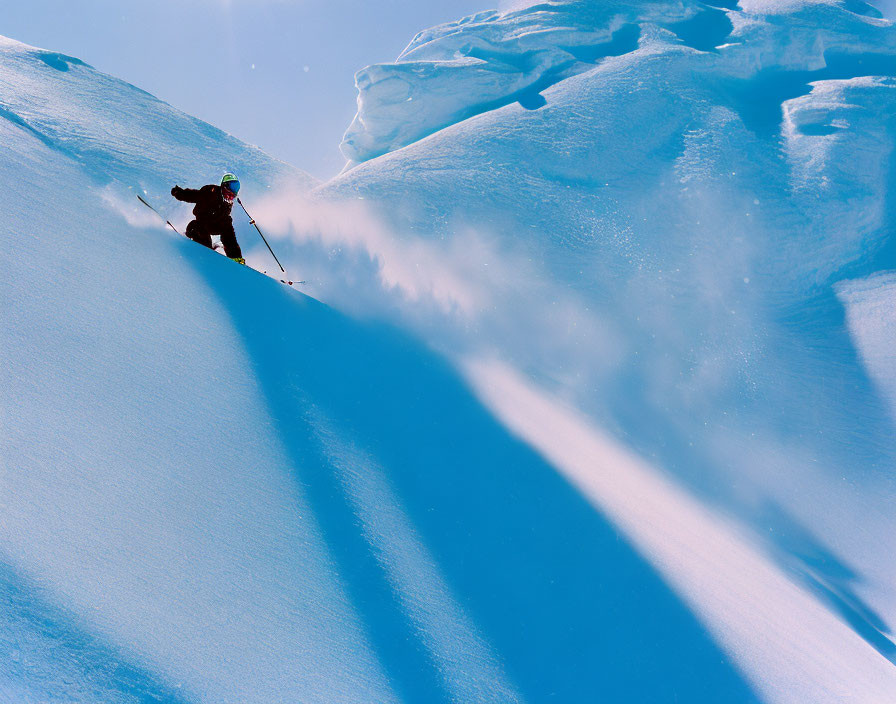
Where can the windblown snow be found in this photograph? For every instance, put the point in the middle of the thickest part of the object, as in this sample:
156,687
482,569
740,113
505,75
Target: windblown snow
591,397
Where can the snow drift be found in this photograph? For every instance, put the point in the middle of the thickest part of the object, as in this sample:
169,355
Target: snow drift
610,415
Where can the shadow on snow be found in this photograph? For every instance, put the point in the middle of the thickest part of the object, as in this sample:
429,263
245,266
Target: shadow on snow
572,611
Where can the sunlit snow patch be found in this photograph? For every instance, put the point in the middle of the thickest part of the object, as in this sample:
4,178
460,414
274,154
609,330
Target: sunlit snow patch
793,648
871,315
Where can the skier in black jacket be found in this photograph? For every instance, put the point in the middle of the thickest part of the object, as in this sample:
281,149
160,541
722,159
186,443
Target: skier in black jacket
212,211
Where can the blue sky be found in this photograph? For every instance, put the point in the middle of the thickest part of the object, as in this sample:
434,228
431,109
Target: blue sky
199,56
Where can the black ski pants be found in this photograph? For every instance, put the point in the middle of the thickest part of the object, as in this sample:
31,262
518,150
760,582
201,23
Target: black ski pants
196,232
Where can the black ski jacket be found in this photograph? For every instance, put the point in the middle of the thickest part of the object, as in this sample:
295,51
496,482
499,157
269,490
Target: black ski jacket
212,211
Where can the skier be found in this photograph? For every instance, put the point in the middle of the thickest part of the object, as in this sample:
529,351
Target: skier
212,211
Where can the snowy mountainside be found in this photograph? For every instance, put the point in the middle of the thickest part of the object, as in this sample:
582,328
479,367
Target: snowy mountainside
493,59
215,489
138,563
611,416
666,246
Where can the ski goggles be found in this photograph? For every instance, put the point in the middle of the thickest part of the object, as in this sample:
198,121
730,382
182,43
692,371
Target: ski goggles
232,186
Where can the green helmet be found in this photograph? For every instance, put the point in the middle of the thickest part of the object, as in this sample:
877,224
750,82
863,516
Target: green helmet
230,186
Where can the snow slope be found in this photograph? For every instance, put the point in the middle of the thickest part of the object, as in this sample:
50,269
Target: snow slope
663,246
138,562
216,489
608,412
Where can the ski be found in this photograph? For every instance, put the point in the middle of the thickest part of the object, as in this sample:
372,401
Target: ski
284,281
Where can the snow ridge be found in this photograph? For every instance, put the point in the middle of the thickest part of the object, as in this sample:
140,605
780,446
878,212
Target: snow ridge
486,61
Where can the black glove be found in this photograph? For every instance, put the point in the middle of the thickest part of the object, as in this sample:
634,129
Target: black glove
176,191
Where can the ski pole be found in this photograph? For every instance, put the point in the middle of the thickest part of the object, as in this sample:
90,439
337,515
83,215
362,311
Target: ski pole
157,213
252,222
